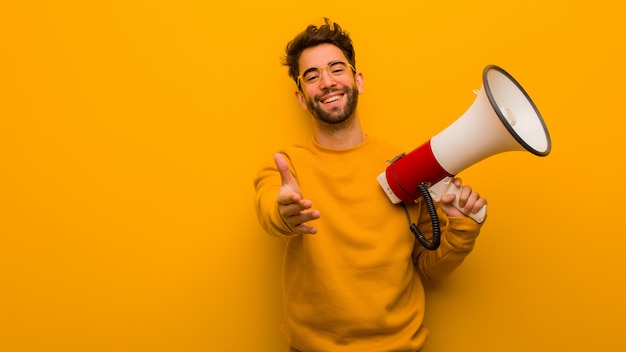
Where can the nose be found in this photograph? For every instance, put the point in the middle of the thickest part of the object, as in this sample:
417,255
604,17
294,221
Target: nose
326,80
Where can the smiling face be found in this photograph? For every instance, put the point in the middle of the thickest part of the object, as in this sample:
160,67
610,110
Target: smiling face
333,98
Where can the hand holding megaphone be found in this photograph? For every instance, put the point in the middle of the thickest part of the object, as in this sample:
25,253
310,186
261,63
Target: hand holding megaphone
477,209
502,118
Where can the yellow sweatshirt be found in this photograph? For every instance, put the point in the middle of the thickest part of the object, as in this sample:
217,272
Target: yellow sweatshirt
355,285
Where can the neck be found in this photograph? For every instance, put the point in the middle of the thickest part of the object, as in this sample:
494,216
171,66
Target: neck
343,135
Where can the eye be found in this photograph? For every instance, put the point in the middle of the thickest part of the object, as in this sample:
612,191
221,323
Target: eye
337,68
311,75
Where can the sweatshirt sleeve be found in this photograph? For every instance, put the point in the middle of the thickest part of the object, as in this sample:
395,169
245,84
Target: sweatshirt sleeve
267,183
458,236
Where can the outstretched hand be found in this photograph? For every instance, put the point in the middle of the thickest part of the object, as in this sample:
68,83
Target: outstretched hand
469,201
294,210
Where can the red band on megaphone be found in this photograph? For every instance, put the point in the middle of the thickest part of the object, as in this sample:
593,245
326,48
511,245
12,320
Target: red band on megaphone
409,171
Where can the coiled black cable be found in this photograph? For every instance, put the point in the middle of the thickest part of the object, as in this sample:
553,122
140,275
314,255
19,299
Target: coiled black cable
434,218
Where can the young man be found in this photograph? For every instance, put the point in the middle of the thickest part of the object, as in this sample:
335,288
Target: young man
352,270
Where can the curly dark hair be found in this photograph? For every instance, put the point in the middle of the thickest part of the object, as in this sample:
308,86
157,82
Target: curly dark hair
313,35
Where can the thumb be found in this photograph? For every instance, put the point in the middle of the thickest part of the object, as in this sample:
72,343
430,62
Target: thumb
447,205
447,199
283,168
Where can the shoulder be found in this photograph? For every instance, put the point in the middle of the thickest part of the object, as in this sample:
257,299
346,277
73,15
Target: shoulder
384,148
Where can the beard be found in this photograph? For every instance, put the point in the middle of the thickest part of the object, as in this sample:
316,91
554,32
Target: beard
337,114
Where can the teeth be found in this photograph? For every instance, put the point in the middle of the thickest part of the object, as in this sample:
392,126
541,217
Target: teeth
331,99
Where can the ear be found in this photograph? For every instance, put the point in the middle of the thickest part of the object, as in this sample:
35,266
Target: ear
358,78
301,99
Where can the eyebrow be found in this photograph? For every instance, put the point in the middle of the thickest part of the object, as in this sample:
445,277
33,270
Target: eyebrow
309,70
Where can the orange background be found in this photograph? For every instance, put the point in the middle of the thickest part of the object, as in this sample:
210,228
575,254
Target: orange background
130,132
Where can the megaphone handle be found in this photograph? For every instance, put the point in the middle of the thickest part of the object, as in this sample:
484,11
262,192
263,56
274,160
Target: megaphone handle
447,186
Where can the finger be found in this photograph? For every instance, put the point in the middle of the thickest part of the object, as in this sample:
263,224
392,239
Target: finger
301,225
303,217
305,229
479,204
298,223
447,205
474,203
464,196
292,209
286,197
447,199
470,203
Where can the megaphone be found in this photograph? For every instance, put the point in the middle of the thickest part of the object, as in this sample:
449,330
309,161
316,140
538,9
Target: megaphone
502,118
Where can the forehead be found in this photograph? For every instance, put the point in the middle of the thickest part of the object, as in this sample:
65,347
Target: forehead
320,56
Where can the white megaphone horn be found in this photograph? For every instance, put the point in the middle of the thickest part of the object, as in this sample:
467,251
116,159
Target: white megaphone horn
502,118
